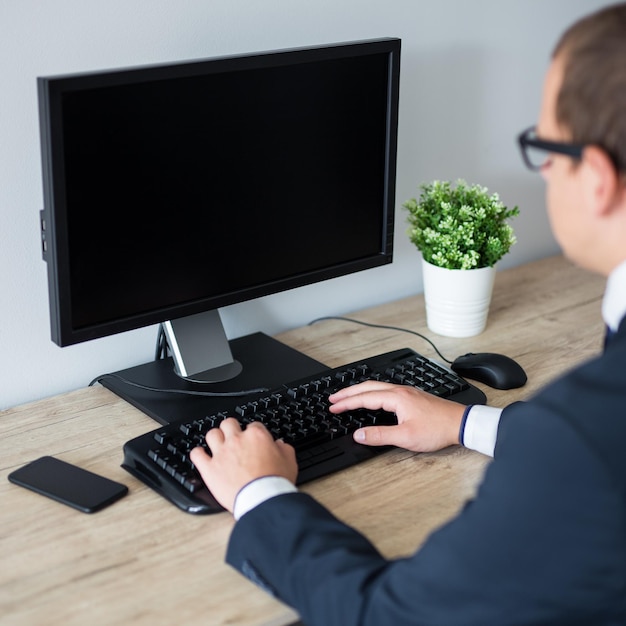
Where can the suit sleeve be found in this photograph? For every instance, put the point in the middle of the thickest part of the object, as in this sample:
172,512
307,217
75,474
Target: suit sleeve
536,546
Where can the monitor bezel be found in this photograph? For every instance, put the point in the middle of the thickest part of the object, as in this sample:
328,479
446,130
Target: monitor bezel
54,215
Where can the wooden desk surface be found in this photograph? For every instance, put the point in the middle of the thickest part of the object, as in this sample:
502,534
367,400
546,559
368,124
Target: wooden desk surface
142,561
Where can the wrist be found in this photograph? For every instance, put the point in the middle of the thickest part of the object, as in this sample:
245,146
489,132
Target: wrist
259,490
461,429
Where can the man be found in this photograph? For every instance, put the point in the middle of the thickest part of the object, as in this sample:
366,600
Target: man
544,540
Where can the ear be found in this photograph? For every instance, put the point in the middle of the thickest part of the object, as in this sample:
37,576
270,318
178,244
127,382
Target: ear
602,190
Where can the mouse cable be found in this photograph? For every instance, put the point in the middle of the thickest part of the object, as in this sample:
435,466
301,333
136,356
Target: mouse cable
395,328
161,353
188,392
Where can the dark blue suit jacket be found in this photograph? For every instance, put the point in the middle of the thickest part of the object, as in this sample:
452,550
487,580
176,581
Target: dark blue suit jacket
543,542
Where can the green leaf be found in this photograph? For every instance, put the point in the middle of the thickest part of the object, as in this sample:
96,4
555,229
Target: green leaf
460,227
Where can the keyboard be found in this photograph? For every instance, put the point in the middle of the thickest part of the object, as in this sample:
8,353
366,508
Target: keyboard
296,412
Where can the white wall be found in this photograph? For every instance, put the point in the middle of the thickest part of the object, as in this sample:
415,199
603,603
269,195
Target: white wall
471,79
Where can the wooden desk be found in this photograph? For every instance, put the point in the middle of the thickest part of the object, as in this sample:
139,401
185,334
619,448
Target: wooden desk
142,561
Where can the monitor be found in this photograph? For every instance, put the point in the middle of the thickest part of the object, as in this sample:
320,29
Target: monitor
173,190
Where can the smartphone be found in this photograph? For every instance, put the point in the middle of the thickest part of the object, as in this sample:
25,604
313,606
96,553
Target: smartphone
69,484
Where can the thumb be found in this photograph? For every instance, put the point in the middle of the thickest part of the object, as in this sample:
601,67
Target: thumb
381,435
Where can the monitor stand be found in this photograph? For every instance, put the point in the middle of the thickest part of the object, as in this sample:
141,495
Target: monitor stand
266,363
200,348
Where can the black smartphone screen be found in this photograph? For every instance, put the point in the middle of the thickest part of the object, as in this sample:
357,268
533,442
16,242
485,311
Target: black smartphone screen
69,484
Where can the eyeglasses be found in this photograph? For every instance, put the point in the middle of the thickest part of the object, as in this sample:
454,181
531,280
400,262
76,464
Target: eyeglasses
534,150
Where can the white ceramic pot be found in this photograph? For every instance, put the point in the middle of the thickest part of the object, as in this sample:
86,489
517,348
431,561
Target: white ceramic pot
457,301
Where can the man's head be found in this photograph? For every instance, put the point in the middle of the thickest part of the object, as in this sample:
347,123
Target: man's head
591,103
584,103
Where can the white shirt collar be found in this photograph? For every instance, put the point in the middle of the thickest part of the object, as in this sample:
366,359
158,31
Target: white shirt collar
614,301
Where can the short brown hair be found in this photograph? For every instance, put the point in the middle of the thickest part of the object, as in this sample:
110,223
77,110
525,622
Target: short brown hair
592,101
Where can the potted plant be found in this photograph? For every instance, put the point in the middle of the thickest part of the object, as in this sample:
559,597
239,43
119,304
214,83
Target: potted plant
462,231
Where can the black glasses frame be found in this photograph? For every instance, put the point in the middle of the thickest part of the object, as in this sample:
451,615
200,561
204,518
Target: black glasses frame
527,140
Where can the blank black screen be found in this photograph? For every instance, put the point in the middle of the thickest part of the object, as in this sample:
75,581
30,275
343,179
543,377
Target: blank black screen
224,184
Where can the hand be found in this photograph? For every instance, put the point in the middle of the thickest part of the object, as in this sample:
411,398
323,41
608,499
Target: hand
241,456
425,422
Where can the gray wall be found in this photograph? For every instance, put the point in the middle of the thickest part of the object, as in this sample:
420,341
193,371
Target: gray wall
472,72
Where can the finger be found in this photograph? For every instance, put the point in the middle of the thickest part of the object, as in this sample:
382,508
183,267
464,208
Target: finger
230,426
288,453
200,459
286,449
261,426
214,438
387,398
354,390
382,435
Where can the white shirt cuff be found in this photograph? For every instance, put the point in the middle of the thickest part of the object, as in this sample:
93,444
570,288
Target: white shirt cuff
481,429
259,491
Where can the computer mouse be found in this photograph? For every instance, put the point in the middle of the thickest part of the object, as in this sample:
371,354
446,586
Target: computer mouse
496,370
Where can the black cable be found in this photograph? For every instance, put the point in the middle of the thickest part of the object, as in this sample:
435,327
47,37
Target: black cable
395,328
212,394
161,353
